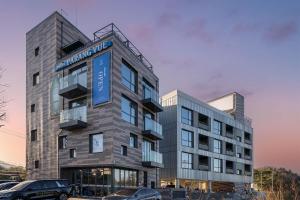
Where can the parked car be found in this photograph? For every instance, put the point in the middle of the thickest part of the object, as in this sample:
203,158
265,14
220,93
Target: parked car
8,185
5,181
134,194
38,189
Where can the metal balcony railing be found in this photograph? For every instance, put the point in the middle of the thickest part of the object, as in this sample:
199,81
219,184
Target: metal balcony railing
151,125
150,93
152,156
112,29
78,113
72,79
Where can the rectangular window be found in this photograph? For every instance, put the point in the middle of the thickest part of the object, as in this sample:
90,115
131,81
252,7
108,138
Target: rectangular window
217,146
133,141
186,116
129,110
123,150
36,79
33,135
73,153
239,138
217,127
36,51
36,164
187,138
129,76
32,108
217,165
96,143
239,172
62,142
186,160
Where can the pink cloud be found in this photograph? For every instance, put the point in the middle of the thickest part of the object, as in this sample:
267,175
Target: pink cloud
198,29
281,32
168,19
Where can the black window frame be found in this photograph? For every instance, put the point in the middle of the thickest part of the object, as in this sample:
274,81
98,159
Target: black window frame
214,128
36,164
37,51
132,105
33,135
220,167
190,162
62,142
32,108
73,153
36,78
190,121
220,147
135,140
133,86
190,141
91,143
124,150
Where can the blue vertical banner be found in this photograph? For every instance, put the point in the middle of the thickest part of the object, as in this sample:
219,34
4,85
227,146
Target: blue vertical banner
101,79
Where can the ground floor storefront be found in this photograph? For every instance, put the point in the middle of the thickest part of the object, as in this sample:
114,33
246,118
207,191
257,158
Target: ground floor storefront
101,181
202,185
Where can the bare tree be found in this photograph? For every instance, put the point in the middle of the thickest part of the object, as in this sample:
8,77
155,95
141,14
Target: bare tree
3,102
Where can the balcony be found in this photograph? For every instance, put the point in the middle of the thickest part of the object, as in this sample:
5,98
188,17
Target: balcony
247,157
151,99
152,159
229,171
229,135
230,152
73,85
248,173
73,118
152,129
203,146
248,141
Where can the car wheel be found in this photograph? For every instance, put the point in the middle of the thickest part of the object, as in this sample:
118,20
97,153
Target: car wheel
63,197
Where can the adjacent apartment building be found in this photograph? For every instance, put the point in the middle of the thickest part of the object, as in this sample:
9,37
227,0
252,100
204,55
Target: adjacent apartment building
206,146
91,108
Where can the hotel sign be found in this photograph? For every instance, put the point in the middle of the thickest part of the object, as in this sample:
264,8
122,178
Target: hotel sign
101,71
83,55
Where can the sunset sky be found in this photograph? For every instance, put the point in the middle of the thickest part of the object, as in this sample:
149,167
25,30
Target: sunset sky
205,48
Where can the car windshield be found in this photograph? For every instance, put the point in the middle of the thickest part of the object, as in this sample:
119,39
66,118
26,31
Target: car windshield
6,185
21,185
126,192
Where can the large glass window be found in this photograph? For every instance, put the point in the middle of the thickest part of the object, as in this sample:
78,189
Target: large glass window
217,146
186,160
125,178
186,116
62,142
129,76
133,141
96,143
187,138
217,127
129,110
217,165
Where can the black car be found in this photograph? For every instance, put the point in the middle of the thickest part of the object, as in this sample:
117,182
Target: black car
38,189
134,194
5,181
8,185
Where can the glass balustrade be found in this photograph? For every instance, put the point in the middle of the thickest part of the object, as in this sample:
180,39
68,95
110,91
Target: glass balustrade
152,156
151,125
78,113
72,79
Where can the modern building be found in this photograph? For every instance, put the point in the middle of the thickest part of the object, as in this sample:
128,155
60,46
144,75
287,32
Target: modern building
91,108
207,146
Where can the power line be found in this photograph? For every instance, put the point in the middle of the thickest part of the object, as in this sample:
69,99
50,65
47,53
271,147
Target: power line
12,134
